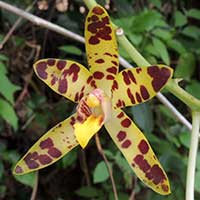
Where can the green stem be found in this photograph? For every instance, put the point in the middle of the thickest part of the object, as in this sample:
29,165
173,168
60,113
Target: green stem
90,3
192,156
171,86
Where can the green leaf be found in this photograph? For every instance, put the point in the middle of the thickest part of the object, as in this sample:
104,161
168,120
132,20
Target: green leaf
143,116
7,88
176,46
1,170
121,196
156,3
184,138
2,191
135,38
69,159
194,13
27,179
7,113
191,31
3,57
100,173
197,182
3,69
71,49
146,20
180,19
88,192
161,50
193,88
162,33
186,66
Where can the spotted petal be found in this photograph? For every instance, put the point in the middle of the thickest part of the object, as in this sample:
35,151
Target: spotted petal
49,148
66,77
101,47
137,85
136,149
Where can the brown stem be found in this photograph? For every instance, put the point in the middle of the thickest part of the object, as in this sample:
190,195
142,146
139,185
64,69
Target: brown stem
10,32
35,188
85,167
100,149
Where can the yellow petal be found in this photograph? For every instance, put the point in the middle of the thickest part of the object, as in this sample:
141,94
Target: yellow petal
101,48
137,85
84,131
49,148
137,151
68,78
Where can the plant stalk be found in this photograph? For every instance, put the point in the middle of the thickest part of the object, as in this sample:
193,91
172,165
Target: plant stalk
192,156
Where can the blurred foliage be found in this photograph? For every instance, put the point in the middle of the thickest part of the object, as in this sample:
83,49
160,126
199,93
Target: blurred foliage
164,32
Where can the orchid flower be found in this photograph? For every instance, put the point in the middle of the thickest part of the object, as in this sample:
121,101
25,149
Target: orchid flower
100,93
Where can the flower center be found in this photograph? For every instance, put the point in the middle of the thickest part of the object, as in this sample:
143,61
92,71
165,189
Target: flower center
96,104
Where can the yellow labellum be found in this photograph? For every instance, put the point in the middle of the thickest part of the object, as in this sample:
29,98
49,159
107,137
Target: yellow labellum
84,131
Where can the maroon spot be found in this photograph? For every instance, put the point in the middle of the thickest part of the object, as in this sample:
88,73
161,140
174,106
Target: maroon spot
94,18
108,54
160,76
105,20
126,144
98,75
120,103
126,78
18,170
93,27
93,40
143,147
144,92
79,118
54,152
120,115
131,76
99,61
30,160
41,69
69,147
51,62
138,70
93,84
114,62
44,159
61,64
72,121
126,123
74,70
112,70
82,89
130,95
142,163
97,10
165,188
138,97
110,77
62,86
121,135
156,174
46,144
115,85
114,55
81,95
76,98
89,79
53,80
